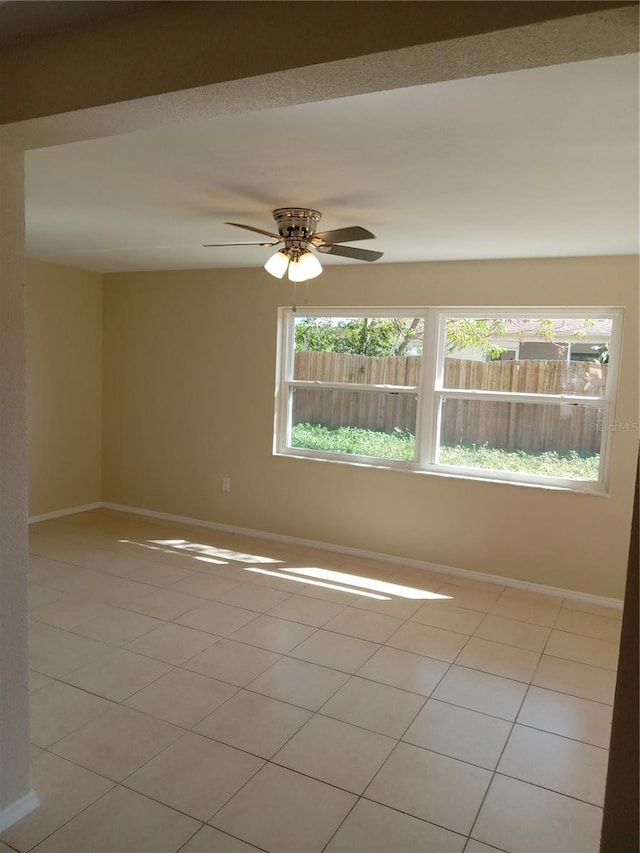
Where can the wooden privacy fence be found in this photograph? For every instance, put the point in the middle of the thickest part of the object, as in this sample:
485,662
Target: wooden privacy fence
504,425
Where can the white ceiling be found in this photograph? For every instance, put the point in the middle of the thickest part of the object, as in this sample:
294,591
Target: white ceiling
536,163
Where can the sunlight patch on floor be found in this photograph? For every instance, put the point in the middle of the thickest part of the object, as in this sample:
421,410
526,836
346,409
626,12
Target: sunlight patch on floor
204,553
169,550
369,583
310,582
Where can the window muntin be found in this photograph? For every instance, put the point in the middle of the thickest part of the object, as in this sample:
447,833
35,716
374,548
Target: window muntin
587,400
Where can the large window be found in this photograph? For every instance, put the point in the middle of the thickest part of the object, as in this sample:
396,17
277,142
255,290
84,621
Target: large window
480,393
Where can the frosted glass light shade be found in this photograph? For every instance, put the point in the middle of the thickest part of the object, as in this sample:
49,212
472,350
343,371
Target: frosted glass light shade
306,267
277,264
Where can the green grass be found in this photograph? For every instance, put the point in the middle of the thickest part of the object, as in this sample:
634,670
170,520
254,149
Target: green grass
570,464
360,442
399,445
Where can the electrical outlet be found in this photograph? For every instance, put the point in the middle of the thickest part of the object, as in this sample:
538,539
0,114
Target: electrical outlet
226,484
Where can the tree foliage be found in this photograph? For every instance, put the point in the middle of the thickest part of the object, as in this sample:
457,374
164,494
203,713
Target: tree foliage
601,353
395,336
466,333
358,336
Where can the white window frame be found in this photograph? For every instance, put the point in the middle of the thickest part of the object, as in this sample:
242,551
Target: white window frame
431,393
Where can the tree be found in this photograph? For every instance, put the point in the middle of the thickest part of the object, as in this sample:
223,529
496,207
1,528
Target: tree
601,354
477,334
466,333
393,336
370,336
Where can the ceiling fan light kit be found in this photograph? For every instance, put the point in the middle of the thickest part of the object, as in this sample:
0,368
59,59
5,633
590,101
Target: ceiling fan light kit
297,230
277,264
305,267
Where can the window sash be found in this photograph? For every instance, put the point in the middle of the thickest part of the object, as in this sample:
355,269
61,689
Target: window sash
369,390
614,314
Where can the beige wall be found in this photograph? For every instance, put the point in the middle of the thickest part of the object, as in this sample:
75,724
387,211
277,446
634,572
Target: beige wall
64,386
188,394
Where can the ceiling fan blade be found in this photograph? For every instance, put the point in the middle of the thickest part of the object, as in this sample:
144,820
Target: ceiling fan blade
340,235
257,230
132,248
351,252
217,245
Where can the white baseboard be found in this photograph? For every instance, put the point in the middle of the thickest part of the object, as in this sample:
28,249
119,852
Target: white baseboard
453,571
60,513
16,811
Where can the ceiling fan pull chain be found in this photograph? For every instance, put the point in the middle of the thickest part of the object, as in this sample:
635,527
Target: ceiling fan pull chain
307,301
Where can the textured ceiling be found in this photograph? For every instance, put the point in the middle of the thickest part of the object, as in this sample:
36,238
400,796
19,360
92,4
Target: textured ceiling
531,163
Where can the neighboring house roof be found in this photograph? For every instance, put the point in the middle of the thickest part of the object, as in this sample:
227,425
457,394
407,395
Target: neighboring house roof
571,329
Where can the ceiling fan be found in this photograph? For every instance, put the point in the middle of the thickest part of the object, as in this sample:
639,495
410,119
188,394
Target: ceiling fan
297,231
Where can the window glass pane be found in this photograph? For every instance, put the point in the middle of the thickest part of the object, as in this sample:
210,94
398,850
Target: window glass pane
362,423
532,438
531,356
367,350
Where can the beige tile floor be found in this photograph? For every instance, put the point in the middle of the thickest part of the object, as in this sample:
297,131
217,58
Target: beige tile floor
193,691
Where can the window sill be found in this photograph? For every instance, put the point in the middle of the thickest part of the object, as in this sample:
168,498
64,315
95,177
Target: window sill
597,490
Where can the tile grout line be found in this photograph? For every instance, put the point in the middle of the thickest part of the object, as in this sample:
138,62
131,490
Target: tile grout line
287,654
506,743
246,686
168,587
508,738
494,772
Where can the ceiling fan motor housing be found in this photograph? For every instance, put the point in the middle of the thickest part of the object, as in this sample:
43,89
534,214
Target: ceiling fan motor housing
297,223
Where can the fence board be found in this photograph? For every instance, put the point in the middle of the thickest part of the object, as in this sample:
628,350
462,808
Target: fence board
505,425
